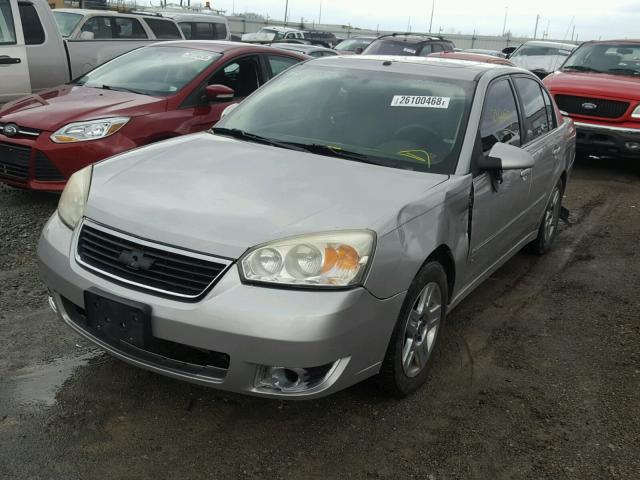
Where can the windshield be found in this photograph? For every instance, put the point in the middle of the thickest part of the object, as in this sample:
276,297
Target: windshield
617,58
157,71
350,44
414,122
541,51
393,47
66,22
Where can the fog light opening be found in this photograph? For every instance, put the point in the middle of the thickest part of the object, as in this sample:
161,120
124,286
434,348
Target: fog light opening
292,379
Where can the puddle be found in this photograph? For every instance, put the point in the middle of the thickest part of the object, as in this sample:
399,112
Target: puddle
37,385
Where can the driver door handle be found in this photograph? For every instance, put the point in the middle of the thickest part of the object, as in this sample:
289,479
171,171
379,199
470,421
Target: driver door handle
524,174
7,60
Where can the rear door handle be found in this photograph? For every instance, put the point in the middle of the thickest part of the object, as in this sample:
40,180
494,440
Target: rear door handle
525,173
6,60
556,151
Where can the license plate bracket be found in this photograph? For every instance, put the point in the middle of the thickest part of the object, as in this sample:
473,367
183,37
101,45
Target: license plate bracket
117,319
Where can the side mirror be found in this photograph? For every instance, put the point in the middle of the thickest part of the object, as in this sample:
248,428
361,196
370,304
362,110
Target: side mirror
86,36
503,156
219,93
509,50
228,110
359,50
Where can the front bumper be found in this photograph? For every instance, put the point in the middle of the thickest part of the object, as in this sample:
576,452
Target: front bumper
254,326
37,163
607,140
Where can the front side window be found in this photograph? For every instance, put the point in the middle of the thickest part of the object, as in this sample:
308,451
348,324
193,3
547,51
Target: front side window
280,64
104,28
158,71
392,119
242,75
538,51
163,29
499,123
31,26
66,22
535,111
7,29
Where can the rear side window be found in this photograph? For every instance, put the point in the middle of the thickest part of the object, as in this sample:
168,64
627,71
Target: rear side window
551,112
280,64
203,30
31,26
7,29
535,111
163,29
499,123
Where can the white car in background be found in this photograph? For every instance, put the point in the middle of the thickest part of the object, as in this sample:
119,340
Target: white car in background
541,57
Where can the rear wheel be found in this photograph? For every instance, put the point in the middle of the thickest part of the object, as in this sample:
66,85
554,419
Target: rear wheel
417,332
549,226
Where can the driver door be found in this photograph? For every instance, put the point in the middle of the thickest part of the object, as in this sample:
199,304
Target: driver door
500,199
14,69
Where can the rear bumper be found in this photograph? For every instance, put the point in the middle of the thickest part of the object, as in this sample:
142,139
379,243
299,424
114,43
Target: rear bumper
607,140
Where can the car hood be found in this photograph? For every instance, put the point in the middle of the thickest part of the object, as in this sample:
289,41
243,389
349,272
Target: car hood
221,196
594,84
545,63
54,108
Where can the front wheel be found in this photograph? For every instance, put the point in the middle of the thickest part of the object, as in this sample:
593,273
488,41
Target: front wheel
549,226
418,329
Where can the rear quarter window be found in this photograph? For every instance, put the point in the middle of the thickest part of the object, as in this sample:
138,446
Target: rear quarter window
31,26
163,29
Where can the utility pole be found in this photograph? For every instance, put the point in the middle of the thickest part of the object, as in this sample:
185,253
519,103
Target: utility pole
535,30
409,25
433,6
286,11
504,25
320,14
573,32
546,34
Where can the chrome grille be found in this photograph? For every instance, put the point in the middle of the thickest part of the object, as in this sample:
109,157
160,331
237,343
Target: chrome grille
146,265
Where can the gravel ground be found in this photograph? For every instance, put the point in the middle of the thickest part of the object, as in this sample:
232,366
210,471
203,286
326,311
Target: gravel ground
538,377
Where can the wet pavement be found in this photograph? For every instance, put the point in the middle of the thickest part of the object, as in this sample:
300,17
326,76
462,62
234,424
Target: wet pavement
538,377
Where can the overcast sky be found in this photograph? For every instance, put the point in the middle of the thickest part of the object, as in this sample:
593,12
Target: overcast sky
593,18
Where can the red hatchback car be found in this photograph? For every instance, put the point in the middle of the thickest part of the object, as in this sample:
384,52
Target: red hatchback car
150,94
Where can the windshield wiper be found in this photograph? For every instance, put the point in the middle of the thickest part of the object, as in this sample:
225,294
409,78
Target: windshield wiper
252,137
122,89
581,68
623,71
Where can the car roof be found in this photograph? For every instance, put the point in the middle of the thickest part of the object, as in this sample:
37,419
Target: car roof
219,46
472,57
300,46
626,40
109,13
431,66
204,17
543,43
412,38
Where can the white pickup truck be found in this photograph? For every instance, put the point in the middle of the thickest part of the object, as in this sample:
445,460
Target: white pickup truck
35,56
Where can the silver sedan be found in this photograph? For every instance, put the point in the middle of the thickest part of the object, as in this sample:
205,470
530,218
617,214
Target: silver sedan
320,233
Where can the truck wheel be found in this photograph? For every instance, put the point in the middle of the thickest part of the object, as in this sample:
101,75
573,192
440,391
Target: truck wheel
549,226
410,352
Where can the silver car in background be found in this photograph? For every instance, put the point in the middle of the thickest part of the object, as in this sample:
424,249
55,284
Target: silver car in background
320,233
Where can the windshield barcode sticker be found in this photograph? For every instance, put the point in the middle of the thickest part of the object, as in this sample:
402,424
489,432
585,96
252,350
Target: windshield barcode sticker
420,101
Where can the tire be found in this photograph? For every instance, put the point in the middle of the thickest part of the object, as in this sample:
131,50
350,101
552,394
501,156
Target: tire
548,228
417,333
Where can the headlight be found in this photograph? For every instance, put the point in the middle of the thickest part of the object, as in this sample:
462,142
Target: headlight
74,197
636,112
332,259
91,130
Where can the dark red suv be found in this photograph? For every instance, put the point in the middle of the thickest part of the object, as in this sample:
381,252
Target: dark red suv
599,87
150,94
